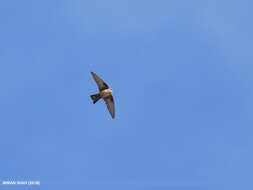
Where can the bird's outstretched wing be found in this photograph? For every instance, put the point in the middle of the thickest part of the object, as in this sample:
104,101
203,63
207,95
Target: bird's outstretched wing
101,84
110,105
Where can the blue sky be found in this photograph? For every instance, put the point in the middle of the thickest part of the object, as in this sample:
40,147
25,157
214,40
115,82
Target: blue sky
182,74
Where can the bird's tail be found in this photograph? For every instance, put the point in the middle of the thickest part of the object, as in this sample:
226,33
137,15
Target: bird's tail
95,97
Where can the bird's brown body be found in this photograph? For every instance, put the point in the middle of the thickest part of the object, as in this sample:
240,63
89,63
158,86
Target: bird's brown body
105,93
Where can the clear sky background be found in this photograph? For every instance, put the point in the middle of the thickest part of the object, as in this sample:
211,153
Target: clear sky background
182,74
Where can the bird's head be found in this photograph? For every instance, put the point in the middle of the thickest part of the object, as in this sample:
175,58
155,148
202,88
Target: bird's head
111,89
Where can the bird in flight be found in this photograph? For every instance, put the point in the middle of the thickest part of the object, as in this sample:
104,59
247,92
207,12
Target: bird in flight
104,92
